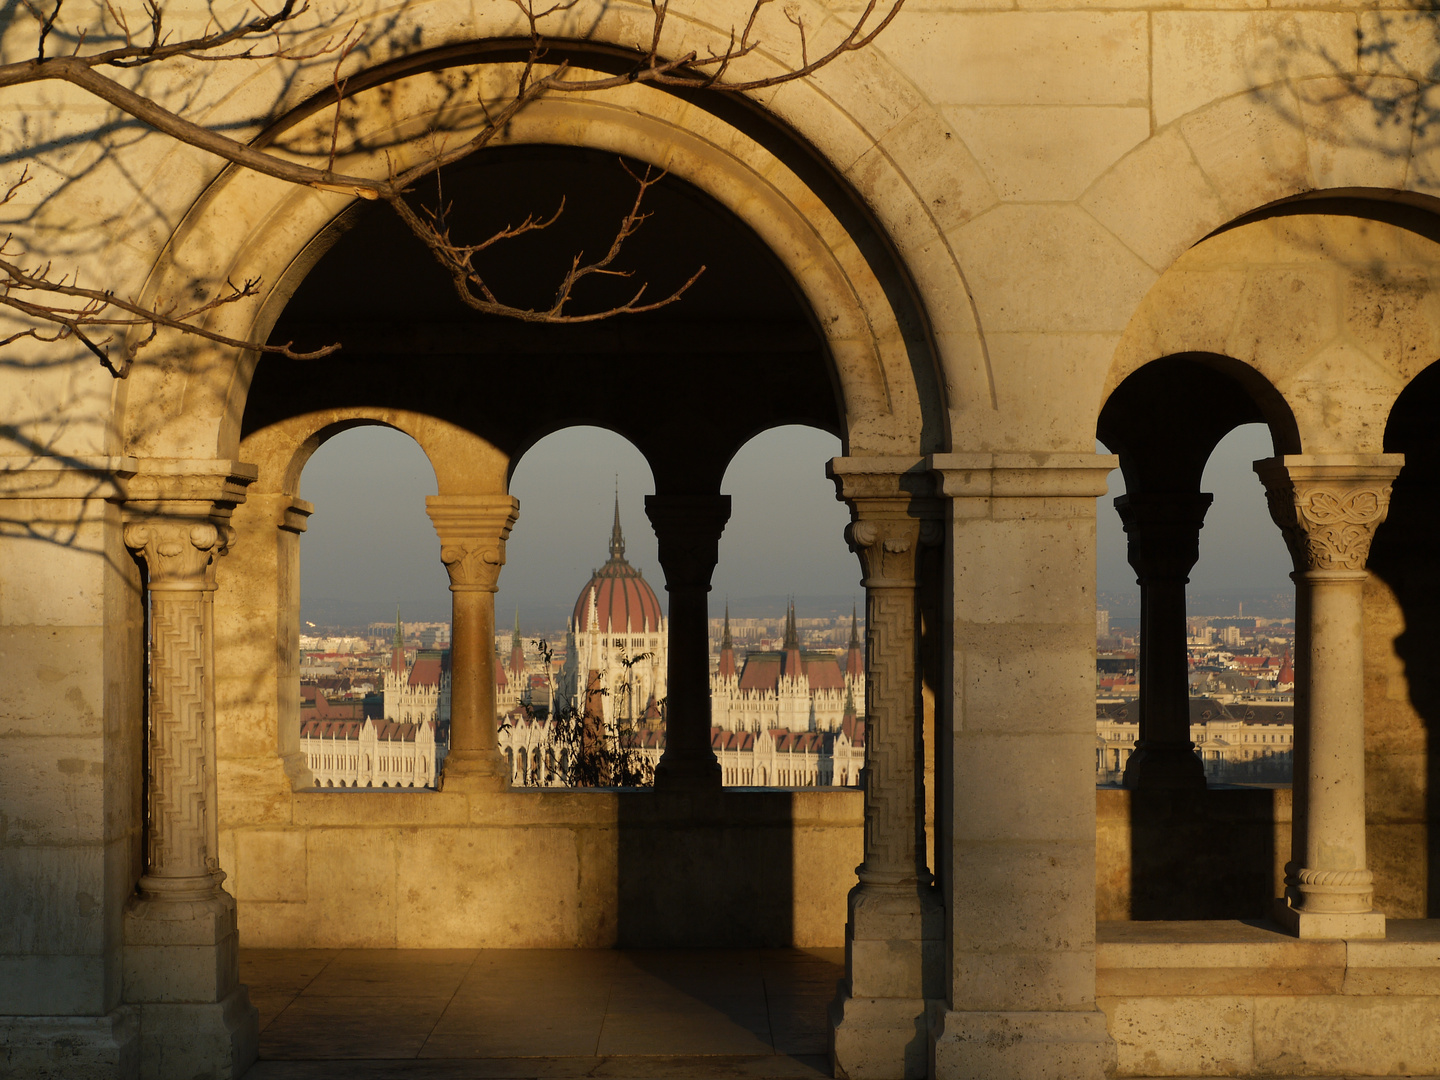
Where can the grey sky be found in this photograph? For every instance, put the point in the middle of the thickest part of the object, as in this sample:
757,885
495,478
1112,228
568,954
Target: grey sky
370,544
1240,548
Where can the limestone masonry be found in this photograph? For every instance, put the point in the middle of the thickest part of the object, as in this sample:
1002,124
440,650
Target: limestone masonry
1000,234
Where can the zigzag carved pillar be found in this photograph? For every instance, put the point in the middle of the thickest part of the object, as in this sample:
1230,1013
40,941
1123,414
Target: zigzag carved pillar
688,529
895,933
1328,507
181,948
473,530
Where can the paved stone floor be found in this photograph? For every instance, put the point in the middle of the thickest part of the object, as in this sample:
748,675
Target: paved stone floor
448,1014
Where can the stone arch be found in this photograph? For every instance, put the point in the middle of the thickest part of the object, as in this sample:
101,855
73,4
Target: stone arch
1223,160
897,356
1328,302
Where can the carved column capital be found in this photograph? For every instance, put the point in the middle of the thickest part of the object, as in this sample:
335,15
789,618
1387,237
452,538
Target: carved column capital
179,552
687,531
1328,507
473,530
893,512
1162,532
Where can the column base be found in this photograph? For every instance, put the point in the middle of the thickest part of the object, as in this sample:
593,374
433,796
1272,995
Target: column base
1331,925
880,1038
468,771
1164,768
180,951
72,1047
215,1040
688,775
1021,1045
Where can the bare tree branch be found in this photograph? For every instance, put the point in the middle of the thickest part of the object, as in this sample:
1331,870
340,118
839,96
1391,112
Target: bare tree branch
103,309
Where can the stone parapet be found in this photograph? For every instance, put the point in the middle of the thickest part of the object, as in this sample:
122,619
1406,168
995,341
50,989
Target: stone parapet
1225,998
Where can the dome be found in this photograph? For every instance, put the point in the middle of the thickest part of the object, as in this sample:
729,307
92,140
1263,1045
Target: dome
624,601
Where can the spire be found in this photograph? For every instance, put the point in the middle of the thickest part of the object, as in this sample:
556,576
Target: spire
617,538
397,647
517,647
854,628
854,660
726,666
792,640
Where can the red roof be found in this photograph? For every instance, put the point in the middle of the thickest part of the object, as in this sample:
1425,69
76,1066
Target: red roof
623,602
425,672
762,671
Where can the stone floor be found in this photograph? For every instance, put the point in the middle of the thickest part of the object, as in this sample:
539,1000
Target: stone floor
446,1014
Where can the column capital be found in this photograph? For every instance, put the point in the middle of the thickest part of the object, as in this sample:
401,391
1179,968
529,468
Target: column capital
688,529
177,518
473,530
1162,531
1328,506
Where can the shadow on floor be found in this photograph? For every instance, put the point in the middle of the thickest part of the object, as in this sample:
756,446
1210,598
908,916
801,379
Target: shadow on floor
373,1014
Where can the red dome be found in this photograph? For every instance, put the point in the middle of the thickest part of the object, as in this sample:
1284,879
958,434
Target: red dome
624,601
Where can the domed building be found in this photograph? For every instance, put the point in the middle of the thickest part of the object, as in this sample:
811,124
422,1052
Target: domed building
617,640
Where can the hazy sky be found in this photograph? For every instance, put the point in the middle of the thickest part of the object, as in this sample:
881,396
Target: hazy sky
370,544
1240,547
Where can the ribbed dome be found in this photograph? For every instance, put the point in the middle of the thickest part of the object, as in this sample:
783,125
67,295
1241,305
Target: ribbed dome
624,601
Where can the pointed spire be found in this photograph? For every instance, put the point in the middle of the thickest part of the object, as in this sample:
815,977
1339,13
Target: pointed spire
399,633
397,647
725,642
515,634
517,647
617,538
792,640
726,666
854,628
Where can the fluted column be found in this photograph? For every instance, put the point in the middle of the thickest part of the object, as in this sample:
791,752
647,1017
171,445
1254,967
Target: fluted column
181,949
894,933
473,530
688,529
1163,544
1328,507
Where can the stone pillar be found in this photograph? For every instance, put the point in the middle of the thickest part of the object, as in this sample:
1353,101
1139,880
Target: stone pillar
894,935
473,530
1328,507
688,529
1017,801
181,947
1163,542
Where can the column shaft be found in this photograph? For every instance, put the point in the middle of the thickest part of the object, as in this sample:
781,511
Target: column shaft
473,530
1163,533
688,529
1328,507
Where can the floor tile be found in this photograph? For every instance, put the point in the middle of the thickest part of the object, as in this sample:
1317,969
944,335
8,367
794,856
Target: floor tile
693,1031
352,1027
397,973
283,969
270,1003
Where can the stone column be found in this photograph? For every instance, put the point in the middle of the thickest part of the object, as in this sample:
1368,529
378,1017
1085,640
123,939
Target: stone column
895,930
1017,801
1163,543
1328,507
473,530
181,948
688,529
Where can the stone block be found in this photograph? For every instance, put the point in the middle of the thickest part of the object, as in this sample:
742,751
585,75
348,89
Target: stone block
53,899
1352,142
1156,199
1182,1036
1029,896
1329,926
270,865
1200,56
1021,1045
72,1047
1347,1035
879,1038
1025,789
216,1041
1007,669
1252,150
1047,153
350,890
1010,58
32,567
1049,267
180,973
62,692
54,791
53,985
1023,979
1046,372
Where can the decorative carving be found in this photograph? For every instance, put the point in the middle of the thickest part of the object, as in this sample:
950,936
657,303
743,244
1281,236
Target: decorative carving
179,553
1328,526
891,744
474,566
1329,878
688,529
176,843
887,547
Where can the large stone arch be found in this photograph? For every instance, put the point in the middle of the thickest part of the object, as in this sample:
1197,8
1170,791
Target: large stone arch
1327,301
858,237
